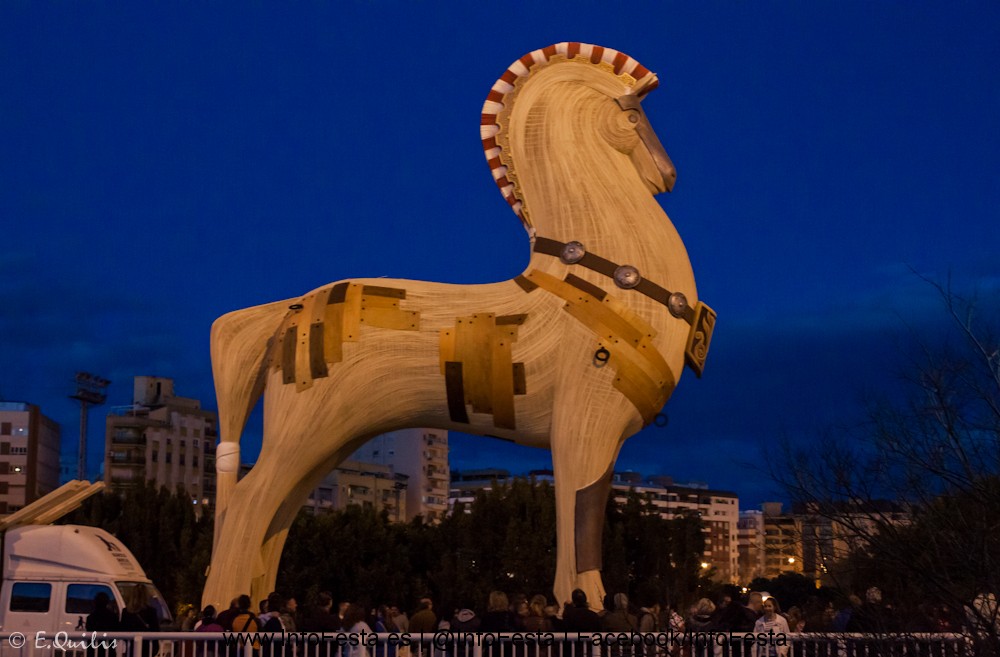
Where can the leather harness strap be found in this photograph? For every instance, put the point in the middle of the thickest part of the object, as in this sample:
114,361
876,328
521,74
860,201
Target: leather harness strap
607,268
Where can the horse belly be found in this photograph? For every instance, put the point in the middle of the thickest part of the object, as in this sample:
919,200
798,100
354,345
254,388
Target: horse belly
399,354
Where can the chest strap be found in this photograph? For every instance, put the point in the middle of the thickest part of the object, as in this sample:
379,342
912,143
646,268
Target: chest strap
701,318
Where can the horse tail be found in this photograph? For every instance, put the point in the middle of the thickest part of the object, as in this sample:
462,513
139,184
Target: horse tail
239,346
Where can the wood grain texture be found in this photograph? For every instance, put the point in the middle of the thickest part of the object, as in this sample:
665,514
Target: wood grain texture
513,359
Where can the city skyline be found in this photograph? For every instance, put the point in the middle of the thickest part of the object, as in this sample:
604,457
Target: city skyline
164,165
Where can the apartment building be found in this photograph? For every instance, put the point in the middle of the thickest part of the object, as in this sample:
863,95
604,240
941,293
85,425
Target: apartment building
369,485
421,455
782,541
162,438
750,544
29,455
717,509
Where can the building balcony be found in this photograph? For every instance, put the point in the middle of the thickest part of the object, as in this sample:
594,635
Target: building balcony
128,459
121,438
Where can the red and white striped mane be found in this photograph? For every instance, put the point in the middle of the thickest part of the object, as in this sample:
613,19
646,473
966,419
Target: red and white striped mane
639,78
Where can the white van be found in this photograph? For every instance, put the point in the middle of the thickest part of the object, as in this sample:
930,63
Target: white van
51,574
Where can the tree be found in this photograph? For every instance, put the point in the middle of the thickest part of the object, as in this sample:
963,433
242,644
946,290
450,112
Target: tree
504,541
933,454
160,528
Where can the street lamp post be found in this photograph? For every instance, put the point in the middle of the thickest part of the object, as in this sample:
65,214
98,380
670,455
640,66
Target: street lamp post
90,390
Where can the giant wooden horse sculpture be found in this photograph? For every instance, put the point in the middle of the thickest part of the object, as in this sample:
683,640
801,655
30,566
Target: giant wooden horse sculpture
577,353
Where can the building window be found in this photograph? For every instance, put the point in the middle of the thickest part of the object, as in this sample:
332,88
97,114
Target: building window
168,457
4,428
184,431
182,459
156,457
194,460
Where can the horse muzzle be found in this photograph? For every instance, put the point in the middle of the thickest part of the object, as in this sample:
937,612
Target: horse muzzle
668,173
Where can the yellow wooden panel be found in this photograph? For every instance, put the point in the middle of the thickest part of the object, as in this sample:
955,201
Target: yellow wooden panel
639,389
447,347
351,328
621,352
655,358
317,309
635,319
332,343
473,348
591,309
403,320
503,381
368,302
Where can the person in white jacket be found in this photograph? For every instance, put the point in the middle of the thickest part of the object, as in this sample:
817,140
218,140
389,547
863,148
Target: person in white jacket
354,621
771,621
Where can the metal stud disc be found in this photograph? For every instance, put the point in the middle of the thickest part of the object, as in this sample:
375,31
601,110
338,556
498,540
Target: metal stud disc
677,304
627,277
572,253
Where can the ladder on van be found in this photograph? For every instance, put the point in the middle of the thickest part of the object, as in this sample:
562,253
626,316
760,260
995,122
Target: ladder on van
49,508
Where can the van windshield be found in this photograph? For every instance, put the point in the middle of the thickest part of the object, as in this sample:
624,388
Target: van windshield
152,596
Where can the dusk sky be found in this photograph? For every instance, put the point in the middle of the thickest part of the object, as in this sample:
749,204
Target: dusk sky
164,163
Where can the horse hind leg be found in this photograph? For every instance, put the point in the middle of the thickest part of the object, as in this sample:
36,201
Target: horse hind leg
277,533
247,547
239,350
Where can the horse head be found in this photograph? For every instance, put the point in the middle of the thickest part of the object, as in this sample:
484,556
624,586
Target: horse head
570,108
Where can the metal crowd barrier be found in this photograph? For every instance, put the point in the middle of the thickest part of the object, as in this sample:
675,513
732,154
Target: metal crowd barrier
446,643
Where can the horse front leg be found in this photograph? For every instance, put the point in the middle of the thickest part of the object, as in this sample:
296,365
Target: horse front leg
586,437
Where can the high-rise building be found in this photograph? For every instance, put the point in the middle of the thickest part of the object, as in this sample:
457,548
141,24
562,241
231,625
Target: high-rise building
782,541
421,455
29,455
162,438
750,529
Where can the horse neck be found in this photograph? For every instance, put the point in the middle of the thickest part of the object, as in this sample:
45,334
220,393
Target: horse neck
613,216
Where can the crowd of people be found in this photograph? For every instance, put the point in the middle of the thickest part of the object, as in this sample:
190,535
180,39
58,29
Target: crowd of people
758,613
617,613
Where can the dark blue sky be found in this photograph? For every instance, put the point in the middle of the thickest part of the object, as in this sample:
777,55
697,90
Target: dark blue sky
164,163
